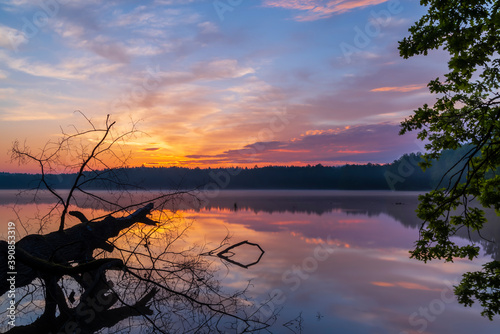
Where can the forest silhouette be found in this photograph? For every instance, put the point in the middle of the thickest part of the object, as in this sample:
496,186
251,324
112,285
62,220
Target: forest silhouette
402,174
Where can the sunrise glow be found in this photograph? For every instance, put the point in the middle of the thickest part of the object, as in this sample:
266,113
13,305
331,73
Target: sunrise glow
252,83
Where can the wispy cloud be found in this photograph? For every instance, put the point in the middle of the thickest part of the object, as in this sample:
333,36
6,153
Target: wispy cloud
363,143
31,116
220,69
402,89
405,285
320,9
11,38
36,102
70,69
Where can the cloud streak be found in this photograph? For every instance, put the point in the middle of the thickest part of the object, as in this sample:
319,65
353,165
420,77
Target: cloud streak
320,9
70,69
11,38
377,143
402,89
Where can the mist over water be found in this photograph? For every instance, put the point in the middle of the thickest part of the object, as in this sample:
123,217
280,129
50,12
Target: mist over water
334,262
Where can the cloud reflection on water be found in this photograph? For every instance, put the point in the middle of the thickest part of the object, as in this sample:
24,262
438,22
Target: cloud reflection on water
367,284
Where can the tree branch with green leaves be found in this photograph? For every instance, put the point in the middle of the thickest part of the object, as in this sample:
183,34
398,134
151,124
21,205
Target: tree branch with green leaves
466,113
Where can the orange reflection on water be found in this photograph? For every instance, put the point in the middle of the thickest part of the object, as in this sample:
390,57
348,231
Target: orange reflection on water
352,221
304,222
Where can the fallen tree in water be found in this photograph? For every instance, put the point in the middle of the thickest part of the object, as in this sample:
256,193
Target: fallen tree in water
54,253
105,270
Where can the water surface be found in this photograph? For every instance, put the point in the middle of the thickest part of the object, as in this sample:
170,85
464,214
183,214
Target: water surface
337,261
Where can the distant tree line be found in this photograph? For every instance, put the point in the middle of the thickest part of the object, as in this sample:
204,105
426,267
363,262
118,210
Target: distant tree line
402,174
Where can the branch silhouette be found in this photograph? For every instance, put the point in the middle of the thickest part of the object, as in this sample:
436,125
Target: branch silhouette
125,263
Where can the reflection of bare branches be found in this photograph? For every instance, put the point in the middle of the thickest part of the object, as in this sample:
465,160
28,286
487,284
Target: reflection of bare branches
295,325
227,253
118,266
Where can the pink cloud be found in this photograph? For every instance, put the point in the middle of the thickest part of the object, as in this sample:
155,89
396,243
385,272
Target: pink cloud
404,89
376,143
320,9
405,285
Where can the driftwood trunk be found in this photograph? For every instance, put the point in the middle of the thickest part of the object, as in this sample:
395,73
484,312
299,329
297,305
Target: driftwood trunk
70,252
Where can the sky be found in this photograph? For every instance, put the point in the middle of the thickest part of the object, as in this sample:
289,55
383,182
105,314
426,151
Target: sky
215,83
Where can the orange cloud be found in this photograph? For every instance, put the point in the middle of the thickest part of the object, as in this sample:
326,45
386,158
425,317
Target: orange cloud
402,89
414,286
322,132
384,284
320,9
290,151
404,285
357,151
343,145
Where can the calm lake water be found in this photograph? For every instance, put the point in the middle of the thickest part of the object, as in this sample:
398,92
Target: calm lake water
335,260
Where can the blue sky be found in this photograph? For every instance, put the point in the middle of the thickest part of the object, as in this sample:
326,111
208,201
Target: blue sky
216,83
